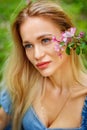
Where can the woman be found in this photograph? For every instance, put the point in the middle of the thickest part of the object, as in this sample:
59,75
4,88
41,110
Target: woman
46,87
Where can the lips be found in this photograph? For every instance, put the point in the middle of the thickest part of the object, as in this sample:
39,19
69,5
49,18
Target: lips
43,64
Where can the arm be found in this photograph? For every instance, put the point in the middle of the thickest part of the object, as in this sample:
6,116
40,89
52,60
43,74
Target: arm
4,119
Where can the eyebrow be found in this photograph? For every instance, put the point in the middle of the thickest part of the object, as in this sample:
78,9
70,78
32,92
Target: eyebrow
39,37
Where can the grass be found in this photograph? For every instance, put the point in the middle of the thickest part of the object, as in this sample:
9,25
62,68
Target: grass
8,10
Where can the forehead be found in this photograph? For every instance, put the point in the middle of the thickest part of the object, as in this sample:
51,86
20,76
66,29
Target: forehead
35,26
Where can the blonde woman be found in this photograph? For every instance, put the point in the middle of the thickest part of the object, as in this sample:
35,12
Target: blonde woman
46,87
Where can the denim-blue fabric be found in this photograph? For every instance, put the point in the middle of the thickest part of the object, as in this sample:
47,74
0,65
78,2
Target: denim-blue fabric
31,120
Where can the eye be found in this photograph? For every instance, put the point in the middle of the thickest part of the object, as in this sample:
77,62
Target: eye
46,40
28,46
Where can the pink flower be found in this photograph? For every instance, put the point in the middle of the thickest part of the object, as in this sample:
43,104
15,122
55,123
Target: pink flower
58,48
81,35
70,40
67,35
70,33
54,39
66,40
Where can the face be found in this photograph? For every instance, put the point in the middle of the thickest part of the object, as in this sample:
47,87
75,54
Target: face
36,34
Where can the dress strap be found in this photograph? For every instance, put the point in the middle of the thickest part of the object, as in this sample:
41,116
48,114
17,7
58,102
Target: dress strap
84,114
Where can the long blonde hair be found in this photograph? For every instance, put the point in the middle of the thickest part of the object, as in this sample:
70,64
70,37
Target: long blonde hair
21,77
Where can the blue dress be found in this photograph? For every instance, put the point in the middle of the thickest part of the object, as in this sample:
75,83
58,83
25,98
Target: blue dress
31,120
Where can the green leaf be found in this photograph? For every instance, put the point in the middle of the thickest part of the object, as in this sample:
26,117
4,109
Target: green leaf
84,50
68,50
82,46
77,50
62,43
71,45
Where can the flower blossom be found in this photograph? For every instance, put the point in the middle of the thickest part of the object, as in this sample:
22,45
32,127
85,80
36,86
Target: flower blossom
71,41
67,35
58,47
81,35
54,39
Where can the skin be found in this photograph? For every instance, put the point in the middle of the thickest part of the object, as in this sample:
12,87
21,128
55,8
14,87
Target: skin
36,34
4,119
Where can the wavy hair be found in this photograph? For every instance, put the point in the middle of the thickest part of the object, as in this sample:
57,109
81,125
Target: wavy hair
23,80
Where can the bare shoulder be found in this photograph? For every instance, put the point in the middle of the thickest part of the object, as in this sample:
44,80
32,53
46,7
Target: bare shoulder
4,118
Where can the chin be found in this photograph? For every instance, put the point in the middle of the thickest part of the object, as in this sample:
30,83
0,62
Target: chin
46,74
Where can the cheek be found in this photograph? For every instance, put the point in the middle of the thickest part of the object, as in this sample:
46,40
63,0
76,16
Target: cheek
57,52
50,48
51,51
29,56
58,57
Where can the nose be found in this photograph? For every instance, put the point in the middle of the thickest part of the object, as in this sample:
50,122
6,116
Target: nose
39,52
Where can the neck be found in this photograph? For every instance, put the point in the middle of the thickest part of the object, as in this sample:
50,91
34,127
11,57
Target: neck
63,78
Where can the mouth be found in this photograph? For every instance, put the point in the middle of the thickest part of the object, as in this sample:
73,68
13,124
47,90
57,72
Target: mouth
43,65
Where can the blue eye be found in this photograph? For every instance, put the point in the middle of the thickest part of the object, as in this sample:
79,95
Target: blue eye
28,46
46,40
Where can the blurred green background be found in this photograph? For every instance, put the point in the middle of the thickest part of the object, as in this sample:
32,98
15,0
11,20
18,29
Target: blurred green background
77,9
